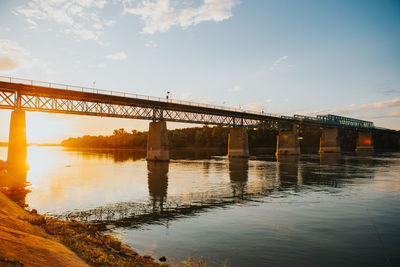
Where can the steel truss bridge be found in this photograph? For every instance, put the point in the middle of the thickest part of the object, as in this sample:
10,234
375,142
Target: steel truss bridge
32,95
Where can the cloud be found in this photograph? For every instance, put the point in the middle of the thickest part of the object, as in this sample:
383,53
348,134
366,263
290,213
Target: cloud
395,114
280,63
382,105
76,17
160,15
280,60
388,91
377,110
14,57
117,56
151,44
7,64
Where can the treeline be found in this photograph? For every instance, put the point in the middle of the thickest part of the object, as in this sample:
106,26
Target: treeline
216,137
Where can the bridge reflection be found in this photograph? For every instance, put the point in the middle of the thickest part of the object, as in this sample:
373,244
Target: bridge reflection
287,171
285,176
238,173
158,183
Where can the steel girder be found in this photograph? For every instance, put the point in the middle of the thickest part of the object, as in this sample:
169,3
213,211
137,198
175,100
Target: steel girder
13,100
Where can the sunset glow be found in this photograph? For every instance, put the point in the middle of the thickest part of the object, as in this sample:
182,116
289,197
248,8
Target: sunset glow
229,133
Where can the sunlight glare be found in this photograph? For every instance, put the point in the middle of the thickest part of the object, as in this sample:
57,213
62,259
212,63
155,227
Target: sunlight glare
46,128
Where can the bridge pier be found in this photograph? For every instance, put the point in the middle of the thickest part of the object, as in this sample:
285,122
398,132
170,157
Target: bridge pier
238,143
365,142
17,148
287,142
157,141
329,142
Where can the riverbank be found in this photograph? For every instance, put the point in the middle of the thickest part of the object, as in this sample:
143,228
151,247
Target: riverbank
31,239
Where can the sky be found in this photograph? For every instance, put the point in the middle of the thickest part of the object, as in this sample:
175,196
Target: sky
281,56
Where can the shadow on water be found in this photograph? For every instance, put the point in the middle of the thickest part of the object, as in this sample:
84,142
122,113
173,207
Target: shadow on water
285,176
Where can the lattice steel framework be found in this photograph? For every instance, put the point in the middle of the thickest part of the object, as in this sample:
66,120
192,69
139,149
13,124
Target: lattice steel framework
32,95
13,100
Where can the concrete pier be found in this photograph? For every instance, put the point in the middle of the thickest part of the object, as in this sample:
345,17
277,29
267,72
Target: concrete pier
365,142
329,142
288,143
238,143
17,149
157,141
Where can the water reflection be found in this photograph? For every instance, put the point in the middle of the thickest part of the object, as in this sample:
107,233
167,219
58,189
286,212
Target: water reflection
287,170
13,182
290,202
286,176
196,153
158,183
272,177
330,159
117,155
238,173
181,187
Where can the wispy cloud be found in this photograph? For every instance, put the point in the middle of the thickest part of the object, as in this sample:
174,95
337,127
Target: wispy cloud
377,110
117,56
388,91
14,57
392,103
160,15
151,44
280,62
76,17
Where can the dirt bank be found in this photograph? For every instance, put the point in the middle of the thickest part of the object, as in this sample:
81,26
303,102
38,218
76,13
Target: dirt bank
30,239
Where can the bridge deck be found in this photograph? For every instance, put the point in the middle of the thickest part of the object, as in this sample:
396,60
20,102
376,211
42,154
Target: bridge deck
60,98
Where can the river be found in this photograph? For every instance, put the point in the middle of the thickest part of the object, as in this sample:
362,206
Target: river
311,210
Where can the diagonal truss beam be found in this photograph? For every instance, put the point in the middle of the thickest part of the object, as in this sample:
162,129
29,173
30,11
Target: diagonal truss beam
81,107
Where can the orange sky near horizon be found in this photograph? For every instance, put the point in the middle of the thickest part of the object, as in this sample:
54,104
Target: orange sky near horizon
53,128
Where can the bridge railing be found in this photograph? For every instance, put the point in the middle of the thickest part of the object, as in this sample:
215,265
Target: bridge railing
129,95
320,118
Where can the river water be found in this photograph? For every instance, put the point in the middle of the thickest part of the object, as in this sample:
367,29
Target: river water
333,210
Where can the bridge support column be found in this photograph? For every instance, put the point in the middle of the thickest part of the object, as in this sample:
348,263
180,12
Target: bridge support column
157,141
365,142
287,142
329,142
238,143
16,157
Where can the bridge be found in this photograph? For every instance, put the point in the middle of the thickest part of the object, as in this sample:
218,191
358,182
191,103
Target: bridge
22,95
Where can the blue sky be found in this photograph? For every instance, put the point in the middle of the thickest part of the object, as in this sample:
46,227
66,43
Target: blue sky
286,57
